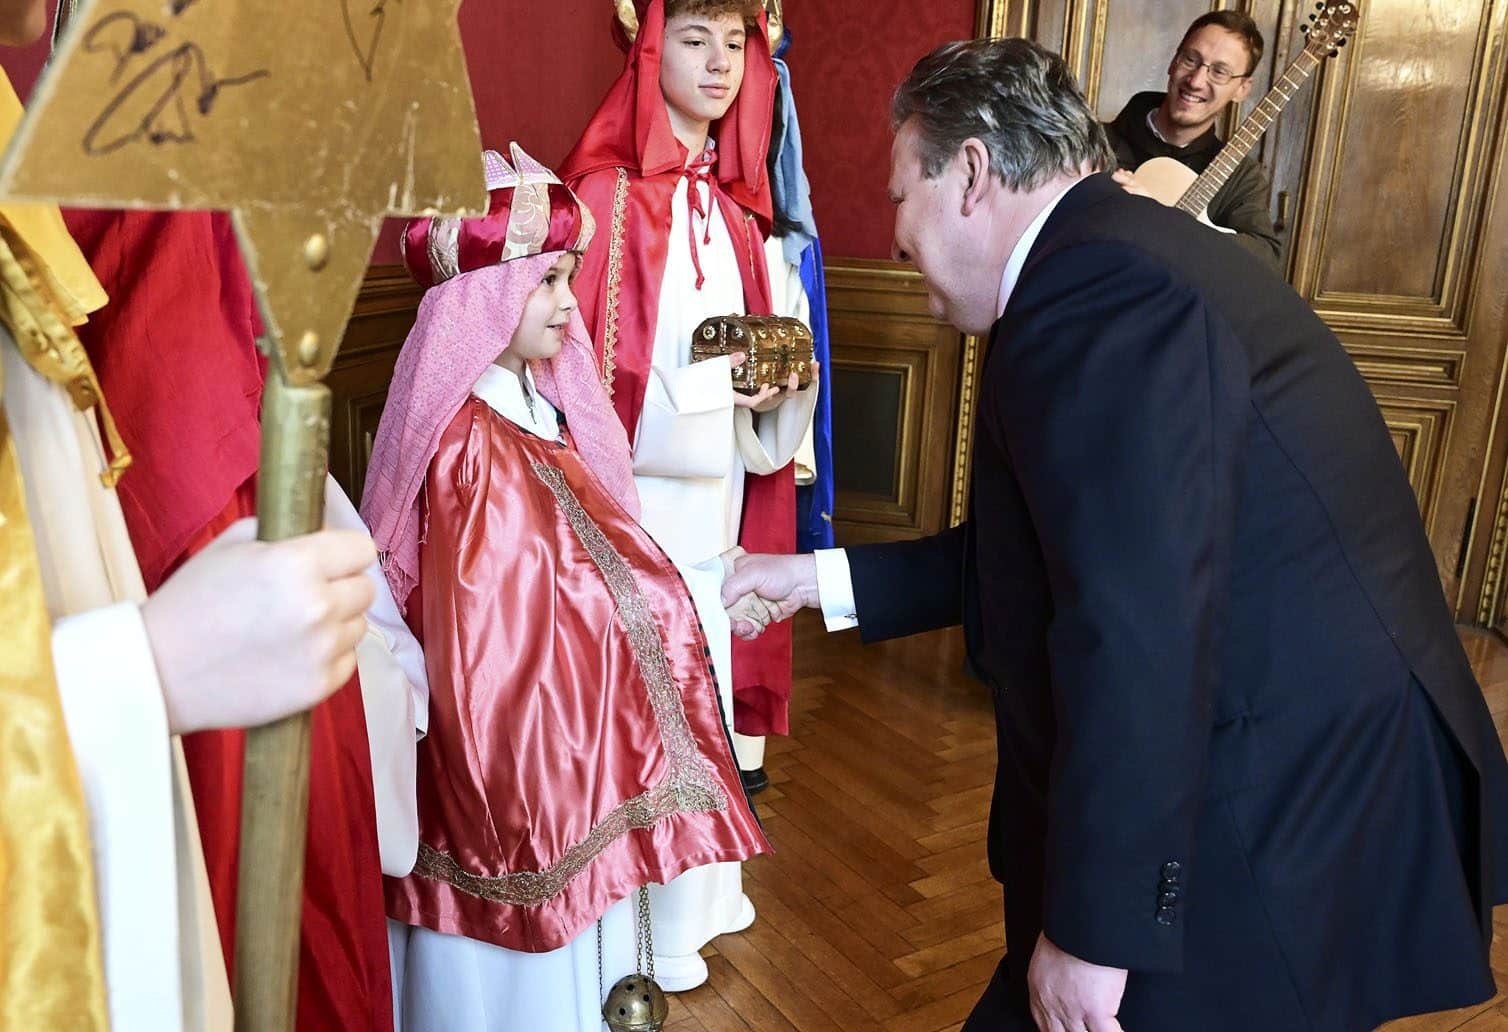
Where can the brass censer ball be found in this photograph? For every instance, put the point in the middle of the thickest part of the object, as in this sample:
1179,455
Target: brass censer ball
636,1003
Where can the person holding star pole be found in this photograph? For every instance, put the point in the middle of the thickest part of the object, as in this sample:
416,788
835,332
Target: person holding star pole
307,241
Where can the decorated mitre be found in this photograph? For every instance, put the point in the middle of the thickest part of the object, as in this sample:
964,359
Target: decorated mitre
530,211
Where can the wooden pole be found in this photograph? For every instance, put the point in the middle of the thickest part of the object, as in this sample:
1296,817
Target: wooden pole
275,791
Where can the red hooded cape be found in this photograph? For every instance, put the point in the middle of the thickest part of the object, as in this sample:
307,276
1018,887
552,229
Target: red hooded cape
176,356
625,169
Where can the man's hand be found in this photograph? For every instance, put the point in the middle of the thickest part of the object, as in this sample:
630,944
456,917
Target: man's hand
750,614
248,632
1073,995
1128,183
785,582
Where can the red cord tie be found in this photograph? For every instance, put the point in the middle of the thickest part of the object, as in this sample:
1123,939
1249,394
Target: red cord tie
699,172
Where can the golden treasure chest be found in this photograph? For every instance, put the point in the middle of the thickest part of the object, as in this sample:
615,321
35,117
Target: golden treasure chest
776,346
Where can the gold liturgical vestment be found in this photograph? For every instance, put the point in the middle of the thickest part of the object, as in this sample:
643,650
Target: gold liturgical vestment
51,973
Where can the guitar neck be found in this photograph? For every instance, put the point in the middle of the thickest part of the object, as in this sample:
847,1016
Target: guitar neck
1198,197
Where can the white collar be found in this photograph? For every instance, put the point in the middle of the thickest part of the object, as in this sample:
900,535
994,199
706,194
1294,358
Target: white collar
505,394
1152,125
1023,248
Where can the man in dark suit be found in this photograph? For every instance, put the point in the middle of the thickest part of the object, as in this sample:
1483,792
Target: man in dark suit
1246,778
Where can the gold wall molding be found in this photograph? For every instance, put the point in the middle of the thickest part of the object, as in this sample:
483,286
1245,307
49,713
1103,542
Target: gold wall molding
1489,593
1383,362
1005,18
1421,429
1489,603
963,438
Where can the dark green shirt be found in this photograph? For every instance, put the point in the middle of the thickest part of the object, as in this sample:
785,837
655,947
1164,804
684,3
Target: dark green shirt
1241,204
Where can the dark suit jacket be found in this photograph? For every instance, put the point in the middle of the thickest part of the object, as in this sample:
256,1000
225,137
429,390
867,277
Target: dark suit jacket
1242,753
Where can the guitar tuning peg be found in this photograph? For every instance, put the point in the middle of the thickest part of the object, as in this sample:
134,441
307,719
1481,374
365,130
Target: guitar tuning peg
1319,6
1334,52
1342,42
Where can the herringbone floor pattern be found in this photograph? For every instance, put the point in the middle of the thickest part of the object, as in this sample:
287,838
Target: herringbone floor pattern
877,911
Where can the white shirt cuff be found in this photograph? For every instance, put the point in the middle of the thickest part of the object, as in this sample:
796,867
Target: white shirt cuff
835,589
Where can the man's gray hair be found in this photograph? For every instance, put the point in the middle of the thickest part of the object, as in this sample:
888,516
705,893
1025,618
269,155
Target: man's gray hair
1012,95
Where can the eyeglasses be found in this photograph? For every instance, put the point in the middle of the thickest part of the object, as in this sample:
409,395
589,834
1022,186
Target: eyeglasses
1190,61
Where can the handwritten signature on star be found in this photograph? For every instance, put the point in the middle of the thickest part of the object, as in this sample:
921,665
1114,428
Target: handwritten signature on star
159,104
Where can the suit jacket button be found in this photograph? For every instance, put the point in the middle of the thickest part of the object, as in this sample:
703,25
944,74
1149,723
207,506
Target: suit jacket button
1166,916
1168,899
1171,870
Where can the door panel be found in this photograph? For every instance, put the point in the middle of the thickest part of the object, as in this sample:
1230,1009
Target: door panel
1392,244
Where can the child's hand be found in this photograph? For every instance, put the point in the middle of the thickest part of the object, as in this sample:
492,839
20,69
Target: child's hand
750,615
758,402
770,396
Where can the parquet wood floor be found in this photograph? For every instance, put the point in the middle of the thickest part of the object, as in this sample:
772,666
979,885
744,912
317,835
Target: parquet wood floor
877,911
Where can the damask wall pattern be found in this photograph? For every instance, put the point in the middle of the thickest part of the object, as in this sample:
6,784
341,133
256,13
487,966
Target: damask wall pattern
539,70
846,58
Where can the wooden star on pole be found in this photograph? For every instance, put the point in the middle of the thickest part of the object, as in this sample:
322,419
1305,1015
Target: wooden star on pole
310,120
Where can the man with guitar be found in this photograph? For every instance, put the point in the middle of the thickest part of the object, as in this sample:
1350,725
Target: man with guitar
1212,68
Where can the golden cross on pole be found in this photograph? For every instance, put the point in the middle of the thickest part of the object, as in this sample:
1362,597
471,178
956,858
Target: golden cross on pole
310,120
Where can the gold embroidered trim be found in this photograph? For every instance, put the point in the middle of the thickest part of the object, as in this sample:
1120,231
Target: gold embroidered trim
534,888
34,315
614,280
690,785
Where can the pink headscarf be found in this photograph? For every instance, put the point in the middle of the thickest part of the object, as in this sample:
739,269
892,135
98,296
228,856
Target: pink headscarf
462,326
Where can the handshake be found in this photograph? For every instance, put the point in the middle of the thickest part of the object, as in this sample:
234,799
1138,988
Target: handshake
759,590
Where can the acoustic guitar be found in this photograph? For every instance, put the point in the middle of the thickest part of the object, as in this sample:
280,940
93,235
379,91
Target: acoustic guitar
1178,186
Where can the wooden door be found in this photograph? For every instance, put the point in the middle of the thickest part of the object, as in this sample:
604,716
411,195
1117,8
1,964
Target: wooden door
1398,245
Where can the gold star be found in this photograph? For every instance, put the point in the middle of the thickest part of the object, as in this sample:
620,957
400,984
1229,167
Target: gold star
309,120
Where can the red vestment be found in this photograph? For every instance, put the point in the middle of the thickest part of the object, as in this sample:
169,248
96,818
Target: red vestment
625,169
576,748
176,357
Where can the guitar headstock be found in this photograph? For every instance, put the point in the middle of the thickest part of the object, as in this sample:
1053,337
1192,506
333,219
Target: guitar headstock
1331,24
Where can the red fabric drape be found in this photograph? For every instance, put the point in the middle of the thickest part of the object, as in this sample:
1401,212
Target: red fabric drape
175,352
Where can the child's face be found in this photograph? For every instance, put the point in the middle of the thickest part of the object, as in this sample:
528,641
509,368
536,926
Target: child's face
541,329
703,65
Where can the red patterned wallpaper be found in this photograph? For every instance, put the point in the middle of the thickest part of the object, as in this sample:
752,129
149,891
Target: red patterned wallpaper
538,71
846,58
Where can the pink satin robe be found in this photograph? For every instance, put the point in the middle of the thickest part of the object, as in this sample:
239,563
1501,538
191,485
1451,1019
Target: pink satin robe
576,748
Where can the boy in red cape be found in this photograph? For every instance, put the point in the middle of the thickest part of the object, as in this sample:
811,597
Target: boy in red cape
674,166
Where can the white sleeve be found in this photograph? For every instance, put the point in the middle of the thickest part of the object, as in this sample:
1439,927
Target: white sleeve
778,435
792,300
835,589
766,442
118,726
686,425
395,697
704,580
